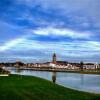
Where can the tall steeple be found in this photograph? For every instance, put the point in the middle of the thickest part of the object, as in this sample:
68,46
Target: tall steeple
54,58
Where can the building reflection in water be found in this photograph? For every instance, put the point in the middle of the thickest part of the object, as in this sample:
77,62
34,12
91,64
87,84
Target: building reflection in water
54,77
82,79
18,70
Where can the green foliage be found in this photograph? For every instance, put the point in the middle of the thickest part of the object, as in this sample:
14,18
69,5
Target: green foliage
16,87
1,70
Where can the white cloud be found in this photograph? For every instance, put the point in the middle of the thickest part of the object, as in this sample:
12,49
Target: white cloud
10,44
27,45
87,8
83,49
51,31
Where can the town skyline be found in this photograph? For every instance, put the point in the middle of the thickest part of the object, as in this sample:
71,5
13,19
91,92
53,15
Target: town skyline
53,59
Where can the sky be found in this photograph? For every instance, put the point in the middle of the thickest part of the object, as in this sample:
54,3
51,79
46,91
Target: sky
32,30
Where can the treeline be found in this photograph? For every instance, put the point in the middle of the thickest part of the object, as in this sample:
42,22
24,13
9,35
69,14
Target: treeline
2,71
8,64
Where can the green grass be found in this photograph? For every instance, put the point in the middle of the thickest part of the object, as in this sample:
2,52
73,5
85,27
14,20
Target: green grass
85,72
17,87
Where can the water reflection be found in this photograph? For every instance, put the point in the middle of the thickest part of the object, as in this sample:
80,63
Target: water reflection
83,82
18,70
82,79
54,77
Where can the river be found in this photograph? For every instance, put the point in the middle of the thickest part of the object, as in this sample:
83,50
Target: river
82,82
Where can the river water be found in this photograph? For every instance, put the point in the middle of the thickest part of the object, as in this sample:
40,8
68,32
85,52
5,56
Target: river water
83,82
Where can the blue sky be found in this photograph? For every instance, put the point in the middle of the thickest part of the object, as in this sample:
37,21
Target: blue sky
32,30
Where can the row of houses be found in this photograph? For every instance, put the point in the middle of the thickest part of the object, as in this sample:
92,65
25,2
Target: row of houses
59,65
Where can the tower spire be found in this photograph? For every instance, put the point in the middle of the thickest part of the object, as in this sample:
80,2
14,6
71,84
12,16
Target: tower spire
54,58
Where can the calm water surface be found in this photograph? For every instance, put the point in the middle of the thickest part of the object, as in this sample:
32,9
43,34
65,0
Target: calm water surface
82,82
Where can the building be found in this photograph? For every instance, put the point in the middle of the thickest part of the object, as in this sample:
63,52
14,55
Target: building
54,59
54,62
18,64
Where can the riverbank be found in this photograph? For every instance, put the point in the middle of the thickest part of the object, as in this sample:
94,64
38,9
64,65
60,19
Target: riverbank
63,70
33,88
4,72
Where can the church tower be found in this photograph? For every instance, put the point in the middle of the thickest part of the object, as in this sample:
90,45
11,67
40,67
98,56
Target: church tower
54,58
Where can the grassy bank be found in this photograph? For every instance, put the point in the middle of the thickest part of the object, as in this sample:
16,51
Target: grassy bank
85,72
17,87
64,70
